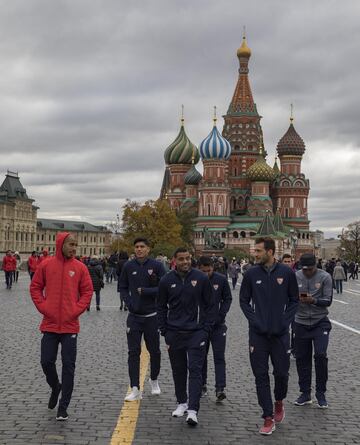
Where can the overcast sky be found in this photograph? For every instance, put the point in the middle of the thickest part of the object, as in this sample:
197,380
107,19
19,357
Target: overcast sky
91,91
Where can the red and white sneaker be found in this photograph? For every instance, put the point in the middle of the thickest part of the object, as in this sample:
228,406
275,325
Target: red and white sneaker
268,427
279,412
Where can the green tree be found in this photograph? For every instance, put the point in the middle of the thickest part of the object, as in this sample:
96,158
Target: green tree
236,253
186,219
350,242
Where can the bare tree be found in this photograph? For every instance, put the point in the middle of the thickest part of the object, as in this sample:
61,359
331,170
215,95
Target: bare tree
350,241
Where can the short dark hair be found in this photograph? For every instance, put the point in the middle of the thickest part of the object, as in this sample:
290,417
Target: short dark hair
180,250
141,240
269,243
286,255
205,261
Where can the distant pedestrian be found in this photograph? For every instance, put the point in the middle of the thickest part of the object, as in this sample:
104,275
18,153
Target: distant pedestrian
138,286
186,314
233,271
269,299
33,262
97,278
9,267
339,276
312,329
217,337
18,266
287,261
61,290
123,258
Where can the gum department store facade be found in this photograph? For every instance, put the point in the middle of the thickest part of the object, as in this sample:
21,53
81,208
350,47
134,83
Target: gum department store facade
239,196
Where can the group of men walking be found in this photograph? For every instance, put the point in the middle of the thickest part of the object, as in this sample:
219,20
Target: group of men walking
188,307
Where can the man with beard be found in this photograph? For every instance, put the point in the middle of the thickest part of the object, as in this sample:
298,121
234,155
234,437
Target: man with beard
269,299
186,316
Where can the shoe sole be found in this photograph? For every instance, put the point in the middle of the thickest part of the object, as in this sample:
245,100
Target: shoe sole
303,404
61,419
221,398
178,415
267,434
323,407
157,393
191,422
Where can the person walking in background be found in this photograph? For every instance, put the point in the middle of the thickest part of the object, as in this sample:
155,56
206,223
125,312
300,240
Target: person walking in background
339,276
138,286
233,271
33,262
61,290
312,329
287,260
9,267
269,299
18,266
217,337
97,278
123,258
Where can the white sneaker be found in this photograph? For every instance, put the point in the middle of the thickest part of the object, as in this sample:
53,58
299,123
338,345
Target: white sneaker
192,418
155,388
180,410
134,395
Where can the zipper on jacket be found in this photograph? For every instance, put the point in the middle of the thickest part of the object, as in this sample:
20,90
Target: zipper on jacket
61,295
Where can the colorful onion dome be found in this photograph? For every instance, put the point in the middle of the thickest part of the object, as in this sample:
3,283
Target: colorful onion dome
244,50
215,146
291,143
181,150
261,171
193,176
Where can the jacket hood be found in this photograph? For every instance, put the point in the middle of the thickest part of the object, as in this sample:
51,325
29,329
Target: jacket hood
60,239
45,252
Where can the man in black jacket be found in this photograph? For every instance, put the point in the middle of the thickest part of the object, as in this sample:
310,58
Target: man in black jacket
138,287
269,299
186,316
217,338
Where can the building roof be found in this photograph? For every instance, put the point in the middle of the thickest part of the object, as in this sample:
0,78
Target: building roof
192,177
12,188
266,227
182,150
68,226
278,222
215,146
291,143
260,170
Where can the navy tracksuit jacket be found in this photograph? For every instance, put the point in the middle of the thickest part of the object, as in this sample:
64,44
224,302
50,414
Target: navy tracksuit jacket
217,338
269,300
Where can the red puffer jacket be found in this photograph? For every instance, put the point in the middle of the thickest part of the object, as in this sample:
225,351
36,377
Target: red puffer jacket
61,290
9,263
33,263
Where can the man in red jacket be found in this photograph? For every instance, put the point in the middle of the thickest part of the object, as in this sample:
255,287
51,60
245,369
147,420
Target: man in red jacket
9,267
33,263
61,290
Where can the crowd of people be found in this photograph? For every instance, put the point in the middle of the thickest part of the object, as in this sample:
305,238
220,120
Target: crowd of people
186,301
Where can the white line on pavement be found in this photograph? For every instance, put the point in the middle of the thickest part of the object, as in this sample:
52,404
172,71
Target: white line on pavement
349,328
352,292
340,301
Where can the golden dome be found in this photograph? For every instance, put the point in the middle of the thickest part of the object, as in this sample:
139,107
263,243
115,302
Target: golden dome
244,50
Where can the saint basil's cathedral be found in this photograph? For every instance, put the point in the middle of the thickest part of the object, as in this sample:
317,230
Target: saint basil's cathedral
239,196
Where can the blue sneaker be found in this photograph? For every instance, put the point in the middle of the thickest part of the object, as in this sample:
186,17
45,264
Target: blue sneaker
322,403
303,399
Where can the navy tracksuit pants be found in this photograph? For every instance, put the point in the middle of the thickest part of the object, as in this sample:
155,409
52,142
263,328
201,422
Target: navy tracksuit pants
138,326
263,347
187,351
217,339
307,339
49,350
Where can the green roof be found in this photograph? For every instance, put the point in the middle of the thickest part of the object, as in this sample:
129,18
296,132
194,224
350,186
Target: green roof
266,227
68,226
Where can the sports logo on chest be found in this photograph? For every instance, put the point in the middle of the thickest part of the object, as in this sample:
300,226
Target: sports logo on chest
280,280
150,271
216,286
194,283
317,285
71,273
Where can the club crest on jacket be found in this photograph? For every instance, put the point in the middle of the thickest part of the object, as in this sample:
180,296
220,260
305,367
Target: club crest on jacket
71,273
194,282
216,286
280,280
150,271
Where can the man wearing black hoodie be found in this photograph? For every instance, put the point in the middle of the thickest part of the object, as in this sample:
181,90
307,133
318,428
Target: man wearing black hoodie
269,299
186,315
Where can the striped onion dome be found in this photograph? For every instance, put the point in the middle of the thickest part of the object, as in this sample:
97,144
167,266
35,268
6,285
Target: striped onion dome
261,171
192,177
181,150
291,143
215,146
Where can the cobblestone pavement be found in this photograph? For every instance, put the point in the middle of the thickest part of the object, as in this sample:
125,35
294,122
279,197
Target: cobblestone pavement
101,384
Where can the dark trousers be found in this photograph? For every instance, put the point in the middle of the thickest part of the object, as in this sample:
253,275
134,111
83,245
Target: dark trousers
97,296
9,278
278,349
49,349
307,339
187,353
31,275
217,339
339,286
234,281
137,327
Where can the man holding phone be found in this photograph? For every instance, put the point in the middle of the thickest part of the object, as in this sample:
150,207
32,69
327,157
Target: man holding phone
312,328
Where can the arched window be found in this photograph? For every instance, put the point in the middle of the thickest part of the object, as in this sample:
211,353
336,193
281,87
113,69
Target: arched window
235,234
223,235
209,209
286,213
243,234
252,233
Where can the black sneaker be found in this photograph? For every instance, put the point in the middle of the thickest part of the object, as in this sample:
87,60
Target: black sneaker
62,415
322,403
220,395
97,308
54,397
303,399
204,391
